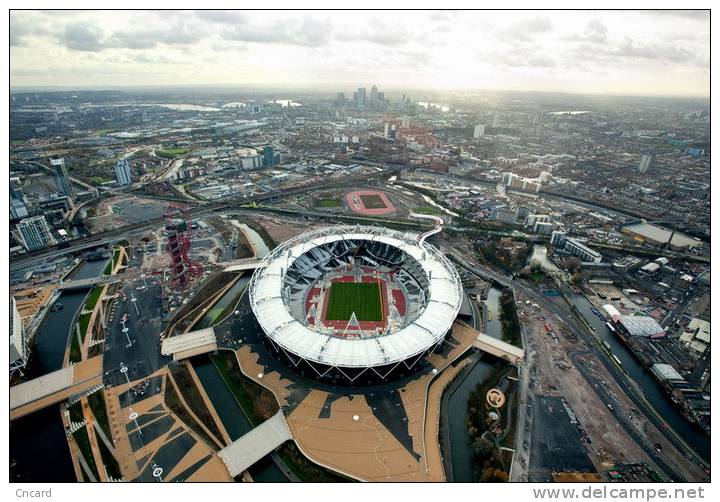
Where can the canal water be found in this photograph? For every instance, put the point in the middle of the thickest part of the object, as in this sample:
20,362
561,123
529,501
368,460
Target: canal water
539,256
256,241
231,296
493,327
654,393
52,335
233,417
39,451
38,448
461,450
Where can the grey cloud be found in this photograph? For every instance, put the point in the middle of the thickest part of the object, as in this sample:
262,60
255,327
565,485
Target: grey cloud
595,32
24,27
698,15
665,52
526,29
86,37
221,16
81,37
178,34
311,32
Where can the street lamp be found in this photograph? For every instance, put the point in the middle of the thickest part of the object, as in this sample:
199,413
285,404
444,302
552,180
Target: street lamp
157,472
134,302
125,330
133,416
124,371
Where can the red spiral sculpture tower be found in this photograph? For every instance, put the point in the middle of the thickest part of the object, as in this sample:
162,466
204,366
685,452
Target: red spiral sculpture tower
179,227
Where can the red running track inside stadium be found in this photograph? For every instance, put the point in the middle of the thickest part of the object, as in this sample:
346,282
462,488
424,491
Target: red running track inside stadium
397,295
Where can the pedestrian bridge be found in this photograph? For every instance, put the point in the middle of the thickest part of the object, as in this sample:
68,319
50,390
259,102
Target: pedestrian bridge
251,447
240,265
87,283
498,348
190,344
55,387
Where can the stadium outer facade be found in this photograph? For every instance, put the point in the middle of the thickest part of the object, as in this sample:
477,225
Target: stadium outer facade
279,289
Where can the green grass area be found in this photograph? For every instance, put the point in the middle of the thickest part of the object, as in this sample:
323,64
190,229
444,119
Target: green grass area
172,153
172,400
363,298
193,398
257,402
83,321
93,297
537,276
328,203
75,353
112,262
306,470
96,400
509,319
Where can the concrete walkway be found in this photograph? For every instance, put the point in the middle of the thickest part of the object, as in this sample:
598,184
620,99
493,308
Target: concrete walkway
248,449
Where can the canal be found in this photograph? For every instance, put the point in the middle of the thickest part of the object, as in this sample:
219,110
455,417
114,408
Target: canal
256,241
493,326
231,297
39,451
652,390
52,335
461,451
233,417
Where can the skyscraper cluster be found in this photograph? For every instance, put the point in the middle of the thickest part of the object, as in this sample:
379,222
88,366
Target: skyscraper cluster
361,100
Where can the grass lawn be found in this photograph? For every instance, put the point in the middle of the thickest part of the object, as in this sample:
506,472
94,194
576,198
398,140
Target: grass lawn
373,201
327,203
171,153
363,298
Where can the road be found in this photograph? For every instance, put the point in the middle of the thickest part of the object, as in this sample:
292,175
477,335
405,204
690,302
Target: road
578,359
31,259
567,316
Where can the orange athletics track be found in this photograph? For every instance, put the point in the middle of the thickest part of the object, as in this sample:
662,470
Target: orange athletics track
369,202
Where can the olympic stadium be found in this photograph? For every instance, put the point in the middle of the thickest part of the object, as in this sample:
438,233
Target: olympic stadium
355,305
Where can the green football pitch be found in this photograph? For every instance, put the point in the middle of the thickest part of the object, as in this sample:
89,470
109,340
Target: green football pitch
363,298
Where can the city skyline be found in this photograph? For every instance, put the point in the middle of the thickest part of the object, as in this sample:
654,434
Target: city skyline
656,52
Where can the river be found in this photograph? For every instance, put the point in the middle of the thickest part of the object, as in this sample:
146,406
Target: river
233,417
39,451
652,390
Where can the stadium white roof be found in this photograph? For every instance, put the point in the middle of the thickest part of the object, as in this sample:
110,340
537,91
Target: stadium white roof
443,303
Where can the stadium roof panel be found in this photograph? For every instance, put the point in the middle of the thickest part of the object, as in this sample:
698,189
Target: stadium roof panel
444,297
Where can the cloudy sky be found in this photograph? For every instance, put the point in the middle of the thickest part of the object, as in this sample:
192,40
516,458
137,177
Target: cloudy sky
649,52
